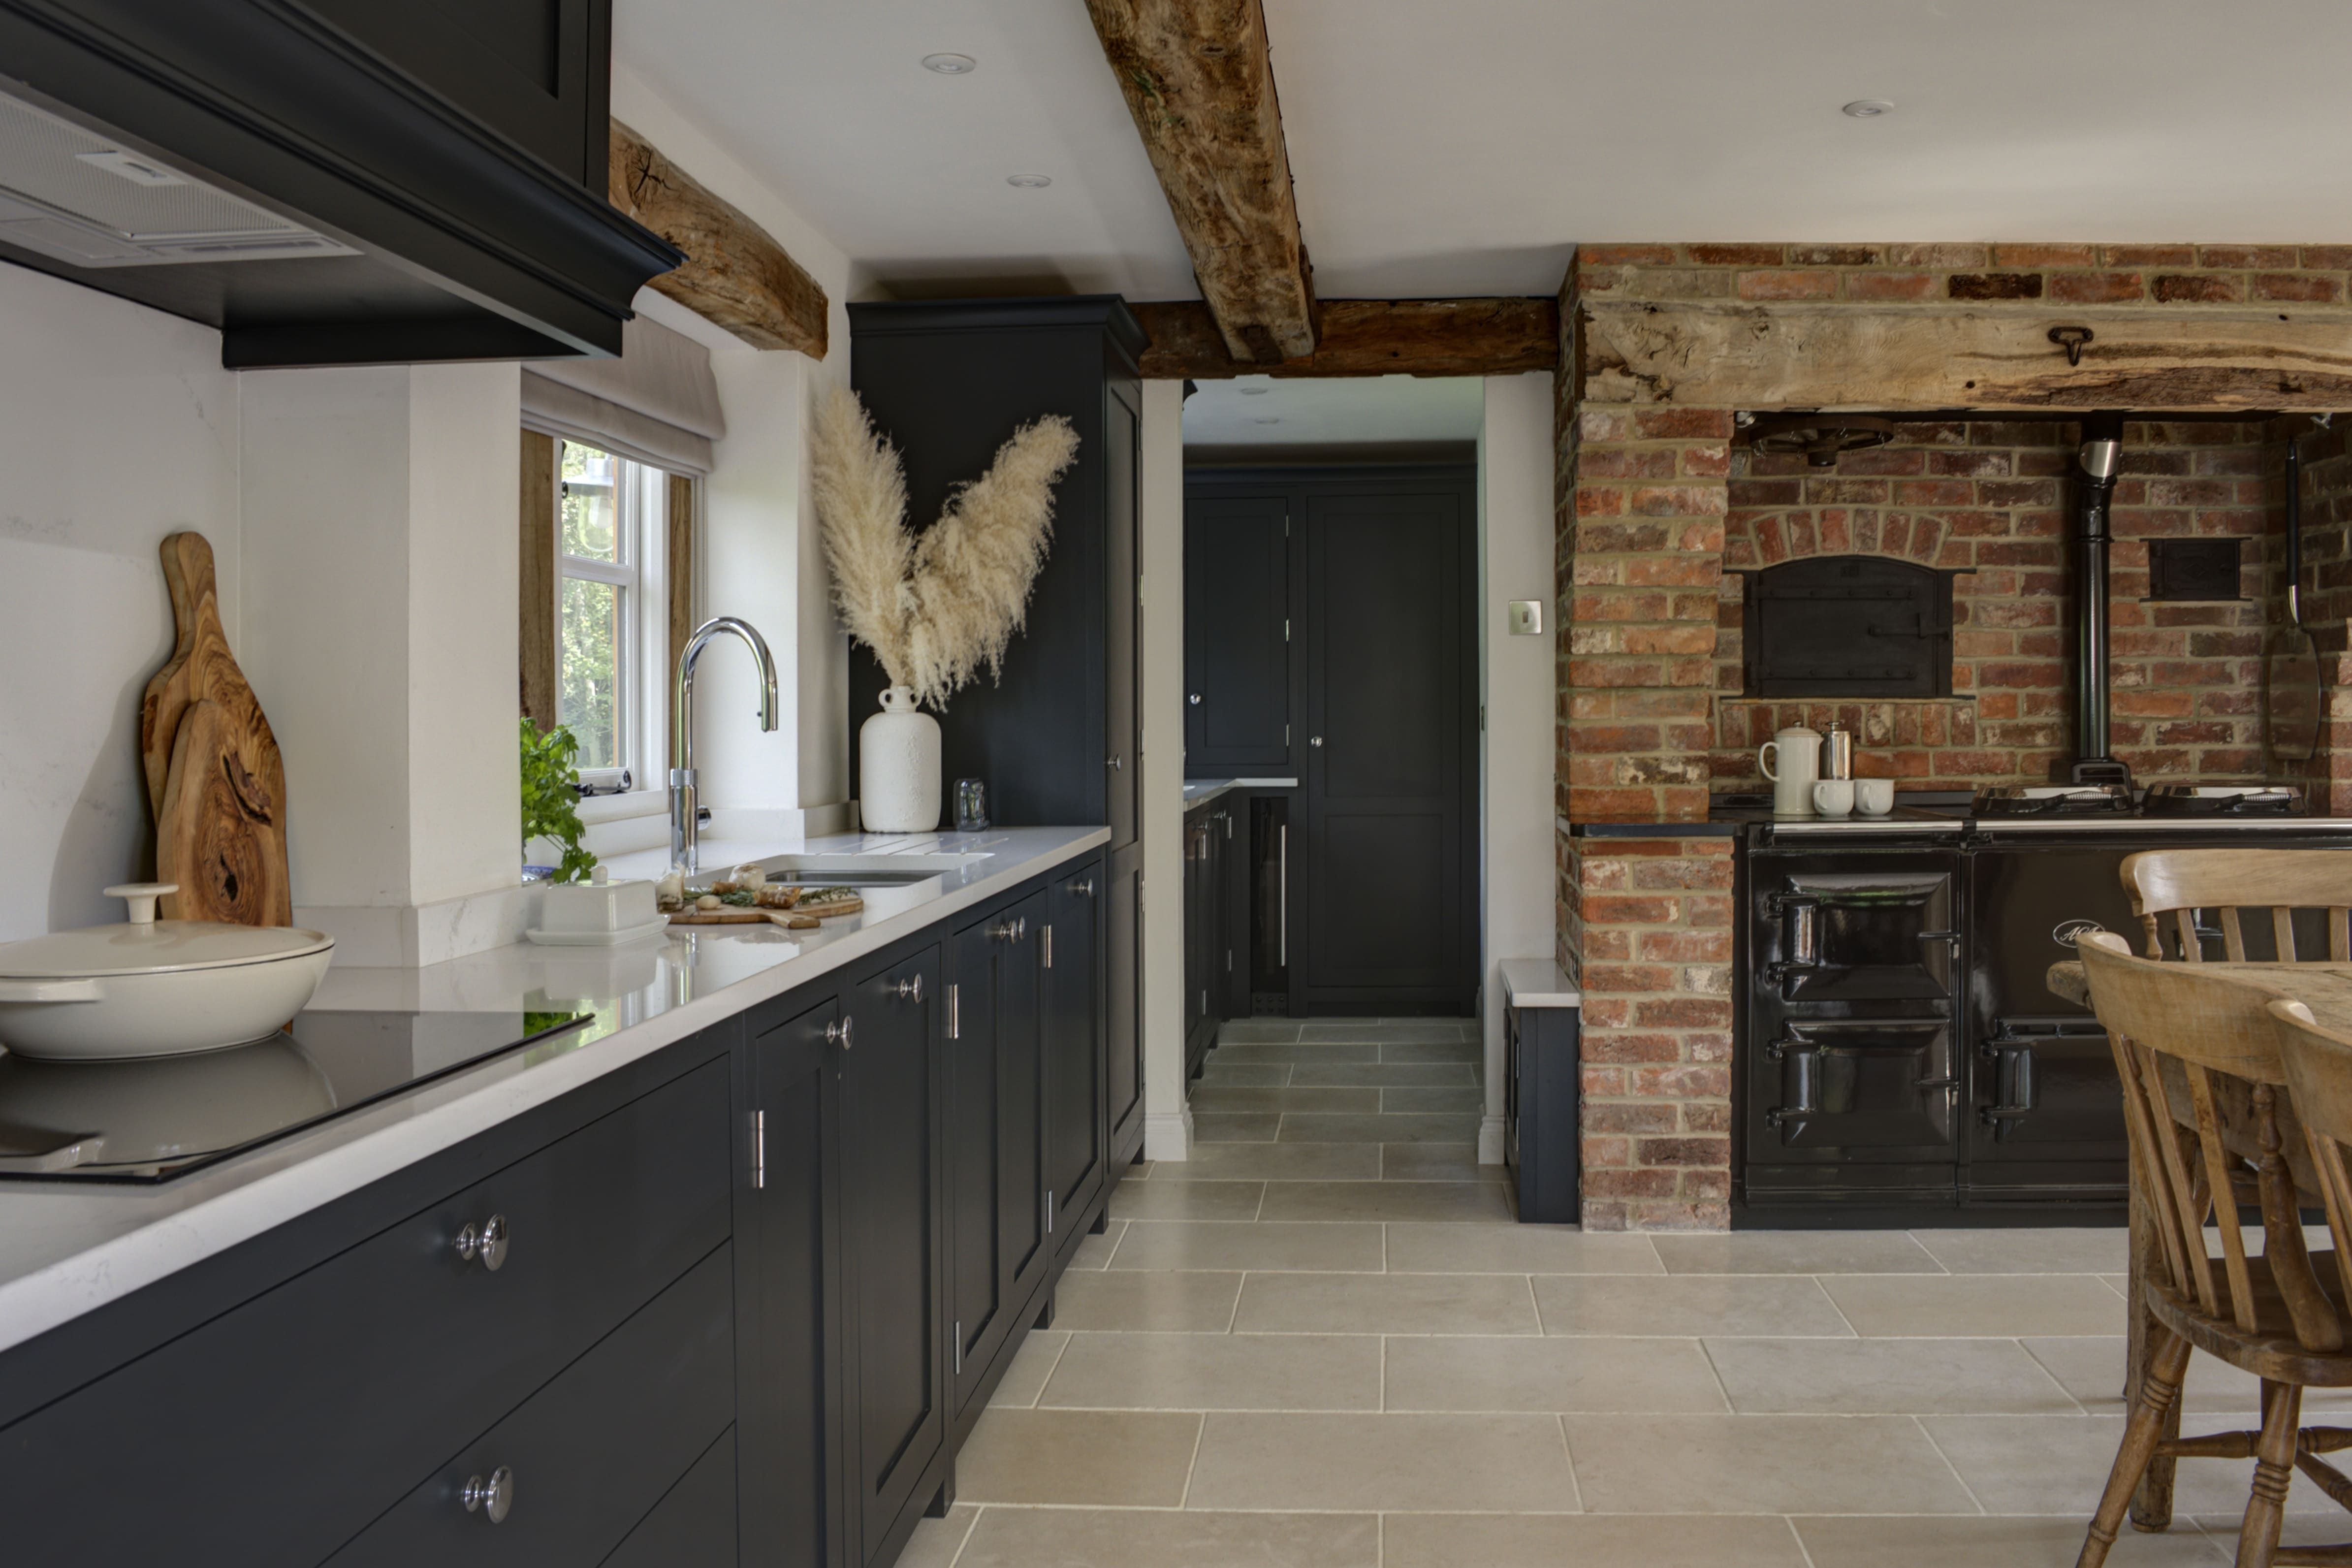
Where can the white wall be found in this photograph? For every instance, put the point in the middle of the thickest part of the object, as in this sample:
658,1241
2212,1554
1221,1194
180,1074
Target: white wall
117,426
1517,677
1167,1116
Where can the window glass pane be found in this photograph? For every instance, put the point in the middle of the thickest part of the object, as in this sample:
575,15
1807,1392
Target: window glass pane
591,515
589,699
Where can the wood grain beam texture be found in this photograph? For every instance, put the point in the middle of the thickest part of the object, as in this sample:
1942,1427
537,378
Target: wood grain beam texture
1199,82
736,275
1367,337
1804,355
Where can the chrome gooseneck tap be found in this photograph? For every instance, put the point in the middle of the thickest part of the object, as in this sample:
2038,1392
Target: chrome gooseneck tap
684,801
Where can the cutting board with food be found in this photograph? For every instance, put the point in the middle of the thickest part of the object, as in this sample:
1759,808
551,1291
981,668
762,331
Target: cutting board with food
215,778
745,897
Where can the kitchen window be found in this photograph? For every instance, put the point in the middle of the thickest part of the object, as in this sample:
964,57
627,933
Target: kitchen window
614,631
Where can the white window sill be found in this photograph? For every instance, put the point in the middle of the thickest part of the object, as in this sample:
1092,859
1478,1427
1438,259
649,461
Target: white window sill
598,808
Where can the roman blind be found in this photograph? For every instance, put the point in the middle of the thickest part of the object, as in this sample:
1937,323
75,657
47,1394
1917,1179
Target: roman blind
658,404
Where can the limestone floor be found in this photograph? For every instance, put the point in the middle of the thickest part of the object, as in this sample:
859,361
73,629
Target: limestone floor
1321,1343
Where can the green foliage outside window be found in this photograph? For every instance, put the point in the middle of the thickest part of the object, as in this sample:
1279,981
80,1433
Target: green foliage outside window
551,798
589,662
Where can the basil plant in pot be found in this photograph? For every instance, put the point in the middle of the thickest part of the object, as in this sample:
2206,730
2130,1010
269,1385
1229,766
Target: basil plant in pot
551,804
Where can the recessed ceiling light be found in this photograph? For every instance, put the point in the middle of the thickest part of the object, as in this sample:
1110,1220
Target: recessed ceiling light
1869,107
1029,182
1253,391
1267,419
950,65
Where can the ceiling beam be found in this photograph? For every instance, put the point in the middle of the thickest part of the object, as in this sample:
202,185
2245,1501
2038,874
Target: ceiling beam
736,275
1369,337
1200,83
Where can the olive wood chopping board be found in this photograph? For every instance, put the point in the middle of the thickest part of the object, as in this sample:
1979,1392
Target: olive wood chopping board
214,777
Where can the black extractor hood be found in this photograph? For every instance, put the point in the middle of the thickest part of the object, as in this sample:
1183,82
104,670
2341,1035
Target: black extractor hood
342,182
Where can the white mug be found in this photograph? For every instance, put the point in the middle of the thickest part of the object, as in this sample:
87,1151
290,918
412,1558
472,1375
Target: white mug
1833,797
1873,797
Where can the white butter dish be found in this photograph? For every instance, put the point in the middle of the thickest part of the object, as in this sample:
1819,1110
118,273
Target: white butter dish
598,908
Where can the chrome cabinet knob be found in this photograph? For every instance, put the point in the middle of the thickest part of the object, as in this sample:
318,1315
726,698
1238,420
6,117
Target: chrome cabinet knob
1112,762
910,989
484,1244
1315,740
1011,930
1195,700
1084,888
494,1497
838,1034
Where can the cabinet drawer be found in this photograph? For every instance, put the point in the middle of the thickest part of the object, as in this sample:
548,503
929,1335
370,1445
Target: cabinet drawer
694,1526
273,1433
588,1456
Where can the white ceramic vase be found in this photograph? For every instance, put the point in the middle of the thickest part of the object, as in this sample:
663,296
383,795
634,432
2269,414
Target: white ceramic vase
898,767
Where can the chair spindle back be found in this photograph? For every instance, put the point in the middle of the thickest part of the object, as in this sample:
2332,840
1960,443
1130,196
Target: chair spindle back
2178,883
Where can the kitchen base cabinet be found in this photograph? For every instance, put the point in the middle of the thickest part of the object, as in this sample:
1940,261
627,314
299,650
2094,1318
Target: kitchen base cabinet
1122,930
694,1526
1071,1025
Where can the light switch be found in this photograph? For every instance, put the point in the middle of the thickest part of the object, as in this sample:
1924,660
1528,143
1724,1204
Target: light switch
1527,618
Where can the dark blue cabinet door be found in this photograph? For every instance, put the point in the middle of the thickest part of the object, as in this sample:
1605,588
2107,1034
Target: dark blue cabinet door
1071,1019
1237,619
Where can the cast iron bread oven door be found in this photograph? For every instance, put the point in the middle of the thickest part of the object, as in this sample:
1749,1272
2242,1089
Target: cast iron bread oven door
1848,626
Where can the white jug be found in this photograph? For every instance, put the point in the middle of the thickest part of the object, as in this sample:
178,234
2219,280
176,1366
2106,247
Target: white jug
1792,761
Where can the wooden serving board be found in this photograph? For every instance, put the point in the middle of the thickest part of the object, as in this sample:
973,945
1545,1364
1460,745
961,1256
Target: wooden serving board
741,917
214,777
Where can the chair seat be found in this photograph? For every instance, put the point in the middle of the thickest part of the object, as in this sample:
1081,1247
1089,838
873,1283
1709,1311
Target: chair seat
2271,1350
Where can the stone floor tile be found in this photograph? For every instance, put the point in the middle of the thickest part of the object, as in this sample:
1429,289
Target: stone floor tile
1237,1031
2090,1368
1399,1031
1127,1538
2312,1521
1217,1097
1470,1099
1031,1364
1385,1304
1384,1075
2029,1250
1975,1306
1293,1052
1436,1163
1431,1051
1093,1251
1180,1243
1761,1463
1887,1377
2059,1464
1218,1372
1588,1541
1457,1201
1796,1252
1245,1075
1690,1304
936,1542
1249,1128
1147,1302
1104,1458
1505,1463
1274,1161
1518,1249
1187,1200
1997,1543
1632,1377
1376,1129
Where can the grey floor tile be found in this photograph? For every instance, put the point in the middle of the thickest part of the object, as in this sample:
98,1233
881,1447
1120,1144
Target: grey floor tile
1380,1128
1797,1252
1455,1201
1511,1463
2059,1464
2090,1368
1518,1249
1998,1543
1436,1163
1385,1304
1386,1075
2309,1522
1588,1541
1761,1463
1236,1031
1102,1458
1179,1244
1187,1200
1431,1051
1274,1161
1219,1371
1887,1377
1632,1377
1129,1538
1031,1364
1245,1128
1152,1301
1398,1031
1692,1304
1245,1075
1470,1097
1215,1097
1094,1252
1293,1052
2024,1250
1975,1306
936,1542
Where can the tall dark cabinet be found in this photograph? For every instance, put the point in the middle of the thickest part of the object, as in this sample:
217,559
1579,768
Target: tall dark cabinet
1058,739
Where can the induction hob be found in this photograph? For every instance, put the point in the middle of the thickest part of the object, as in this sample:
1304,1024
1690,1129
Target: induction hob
150,1119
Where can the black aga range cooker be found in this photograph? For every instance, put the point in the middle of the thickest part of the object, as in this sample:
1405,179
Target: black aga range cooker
1903,1060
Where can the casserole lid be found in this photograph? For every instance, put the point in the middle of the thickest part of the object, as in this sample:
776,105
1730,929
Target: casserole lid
145,945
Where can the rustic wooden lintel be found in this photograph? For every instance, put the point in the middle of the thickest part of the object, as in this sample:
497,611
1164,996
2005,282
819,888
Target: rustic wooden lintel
1369,337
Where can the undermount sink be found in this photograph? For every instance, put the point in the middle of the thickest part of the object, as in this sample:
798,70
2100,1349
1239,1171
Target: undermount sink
867,870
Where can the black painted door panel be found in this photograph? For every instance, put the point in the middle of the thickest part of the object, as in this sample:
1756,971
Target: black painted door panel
1236,634
1071,1018
1122,931
1123,617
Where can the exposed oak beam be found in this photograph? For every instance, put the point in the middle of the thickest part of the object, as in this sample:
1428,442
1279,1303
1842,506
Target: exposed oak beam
1805,355
1200,83
1369,337
735,275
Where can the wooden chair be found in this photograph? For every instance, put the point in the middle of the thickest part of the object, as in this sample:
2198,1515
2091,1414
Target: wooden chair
2175,1033
2181,882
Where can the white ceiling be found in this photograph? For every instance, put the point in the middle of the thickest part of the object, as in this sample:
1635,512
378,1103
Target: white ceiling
1456,147
1257,411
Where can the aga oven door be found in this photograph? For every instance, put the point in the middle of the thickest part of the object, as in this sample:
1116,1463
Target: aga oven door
1837,1090
1853,928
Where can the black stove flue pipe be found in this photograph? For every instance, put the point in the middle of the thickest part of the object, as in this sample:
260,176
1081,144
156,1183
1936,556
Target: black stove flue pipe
2095,488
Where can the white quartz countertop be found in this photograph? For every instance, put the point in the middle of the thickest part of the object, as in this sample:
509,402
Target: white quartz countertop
1538,983
68,1248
